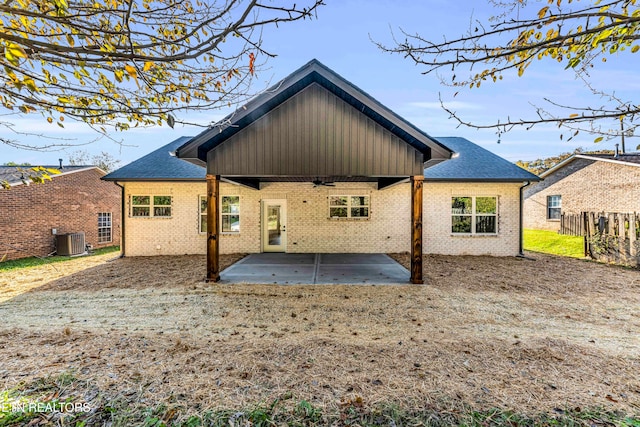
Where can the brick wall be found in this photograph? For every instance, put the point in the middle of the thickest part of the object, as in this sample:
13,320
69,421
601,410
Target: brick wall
585,185
437,220
69,203
310,230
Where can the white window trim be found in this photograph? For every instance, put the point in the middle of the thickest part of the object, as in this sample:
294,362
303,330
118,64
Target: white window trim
201,214
110,227
559,207
239,214
473,216
150,206
349,206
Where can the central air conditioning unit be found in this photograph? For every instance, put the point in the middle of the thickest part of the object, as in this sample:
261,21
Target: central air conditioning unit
70,244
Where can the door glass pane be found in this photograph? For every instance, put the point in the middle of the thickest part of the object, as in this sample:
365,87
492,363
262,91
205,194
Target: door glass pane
273,225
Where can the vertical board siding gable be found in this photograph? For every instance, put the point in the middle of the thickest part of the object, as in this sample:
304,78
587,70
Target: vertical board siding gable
314,133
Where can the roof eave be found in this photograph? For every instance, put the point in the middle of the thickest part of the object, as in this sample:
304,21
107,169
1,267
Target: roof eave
488,180
203,179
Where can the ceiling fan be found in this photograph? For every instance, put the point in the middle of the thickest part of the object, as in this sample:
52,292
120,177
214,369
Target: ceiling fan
319,182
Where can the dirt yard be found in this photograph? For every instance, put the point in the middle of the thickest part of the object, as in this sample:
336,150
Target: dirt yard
530,335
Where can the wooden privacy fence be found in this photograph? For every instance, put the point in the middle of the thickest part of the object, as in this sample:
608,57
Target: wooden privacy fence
612,237
571,224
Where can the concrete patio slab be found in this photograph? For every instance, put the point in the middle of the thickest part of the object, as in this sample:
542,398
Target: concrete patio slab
290,269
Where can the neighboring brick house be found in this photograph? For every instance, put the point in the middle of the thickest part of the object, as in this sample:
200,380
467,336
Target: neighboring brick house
317,165
76,200
583,183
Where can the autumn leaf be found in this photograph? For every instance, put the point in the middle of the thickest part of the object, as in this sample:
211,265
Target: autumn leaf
131,70
543,12
13,53
252,60
80,58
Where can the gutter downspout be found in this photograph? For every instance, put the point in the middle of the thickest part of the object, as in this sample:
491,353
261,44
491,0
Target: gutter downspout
122,217
521,245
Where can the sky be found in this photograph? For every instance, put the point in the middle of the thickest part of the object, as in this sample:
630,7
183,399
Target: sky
341,38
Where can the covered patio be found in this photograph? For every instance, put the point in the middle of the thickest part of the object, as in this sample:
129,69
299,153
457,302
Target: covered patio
312,127
294,269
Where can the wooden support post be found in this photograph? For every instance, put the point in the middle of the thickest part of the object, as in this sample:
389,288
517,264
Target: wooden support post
213,228
416,229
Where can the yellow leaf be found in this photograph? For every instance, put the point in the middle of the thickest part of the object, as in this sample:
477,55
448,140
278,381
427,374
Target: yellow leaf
598,139
15,50
131,70
147,66
543,12
635,48
13,53
31,85
573,115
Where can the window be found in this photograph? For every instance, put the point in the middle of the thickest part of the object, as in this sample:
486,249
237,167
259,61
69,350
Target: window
151,206
229,214
203,214
474,215
554,206
104,227
348,206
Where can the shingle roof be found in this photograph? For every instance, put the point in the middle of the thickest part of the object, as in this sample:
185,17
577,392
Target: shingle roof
631,159
159,165
625,158
14,174
473,163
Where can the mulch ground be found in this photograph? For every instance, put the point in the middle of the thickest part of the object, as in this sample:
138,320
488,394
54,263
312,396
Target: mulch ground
530,335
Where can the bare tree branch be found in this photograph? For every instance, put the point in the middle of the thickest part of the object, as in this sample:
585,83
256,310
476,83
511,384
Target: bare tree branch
573,34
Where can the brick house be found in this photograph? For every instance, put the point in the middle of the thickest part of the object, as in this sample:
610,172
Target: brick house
76,200
317,165
583,183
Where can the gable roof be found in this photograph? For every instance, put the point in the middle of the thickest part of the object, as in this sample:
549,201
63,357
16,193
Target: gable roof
472,163
160,165
197,148
630,159
14,175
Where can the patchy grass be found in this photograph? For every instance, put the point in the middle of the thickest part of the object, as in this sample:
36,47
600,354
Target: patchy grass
68,400
40,261
550,242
